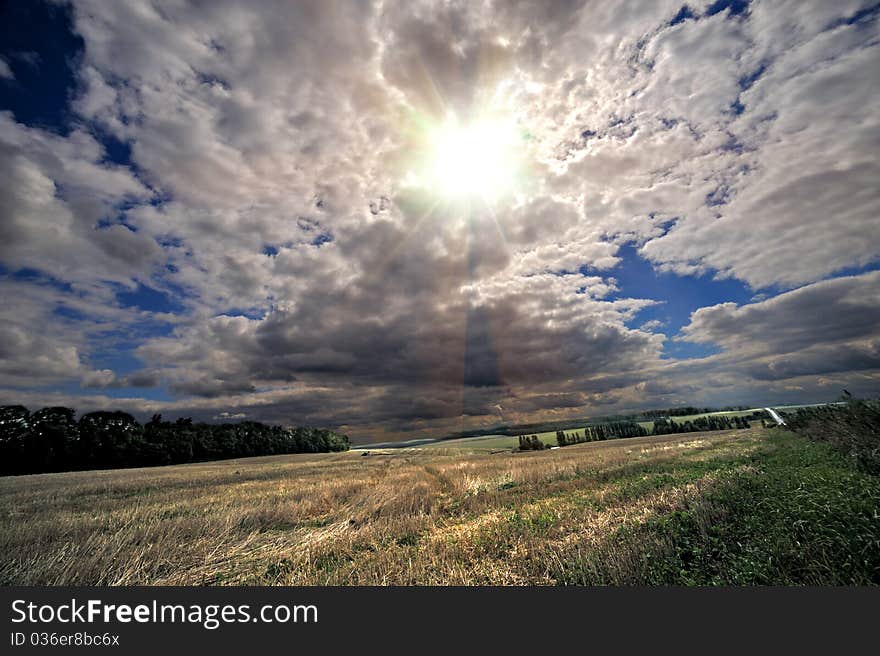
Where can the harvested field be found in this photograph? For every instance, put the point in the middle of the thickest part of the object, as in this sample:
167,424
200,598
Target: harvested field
618,512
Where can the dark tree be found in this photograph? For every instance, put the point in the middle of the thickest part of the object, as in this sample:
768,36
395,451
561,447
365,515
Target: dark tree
52,440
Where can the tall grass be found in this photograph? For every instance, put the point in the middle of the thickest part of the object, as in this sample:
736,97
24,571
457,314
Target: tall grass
852,428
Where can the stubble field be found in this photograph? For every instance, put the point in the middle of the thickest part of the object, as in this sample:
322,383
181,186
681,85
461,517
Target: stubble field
735,507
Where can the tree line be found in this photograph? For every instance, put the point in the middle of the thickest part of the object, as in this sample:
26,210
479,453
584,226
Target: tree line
685,411
709,423
611,430
531,443
52,439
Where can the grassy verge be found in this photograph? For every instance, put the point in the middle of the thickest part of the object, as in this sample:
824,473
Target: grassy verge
795,513
853,428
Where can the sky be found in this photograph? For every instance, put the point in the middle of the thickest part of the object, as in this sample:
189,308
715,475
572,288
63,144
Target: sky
406,219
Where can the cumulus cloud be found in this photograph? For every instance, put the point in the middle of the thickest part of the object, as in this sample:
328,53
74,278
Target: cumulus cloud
807,140
270,144
99,378
56,192
829,327
828,312
34,349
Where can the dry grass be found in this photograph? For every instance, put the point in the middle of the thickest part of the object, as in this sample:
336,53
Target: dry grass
429,516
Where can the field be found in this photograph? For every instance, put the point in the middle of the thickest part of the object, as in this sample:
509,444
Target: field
500,442
732,507
484,443
720,413
492,442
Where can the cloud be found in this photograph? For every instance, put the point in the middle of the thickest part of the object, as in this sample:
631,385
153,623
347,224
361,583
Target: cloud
34,347
827,312
262,188
808,136
99,378
828,327
55,194
50,331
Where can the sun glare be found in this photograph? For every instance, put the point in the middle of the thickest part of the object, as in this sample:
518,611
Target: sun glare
476,160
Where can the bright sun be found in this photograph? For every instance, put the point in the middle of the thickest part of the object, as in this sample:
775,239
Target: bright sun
476,160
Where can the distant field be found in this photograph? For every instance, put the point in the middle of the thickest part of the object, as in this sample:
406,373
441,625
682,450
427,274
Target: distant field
723,413
495,442
492,442
476,444
736,507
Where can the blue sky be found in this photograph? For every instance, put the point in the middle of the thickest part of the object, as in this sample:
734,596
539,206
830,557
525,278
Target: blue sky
203,218
677,295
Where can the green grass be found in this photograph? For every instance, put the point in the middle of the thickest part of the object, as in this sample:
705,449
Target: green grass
793,513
